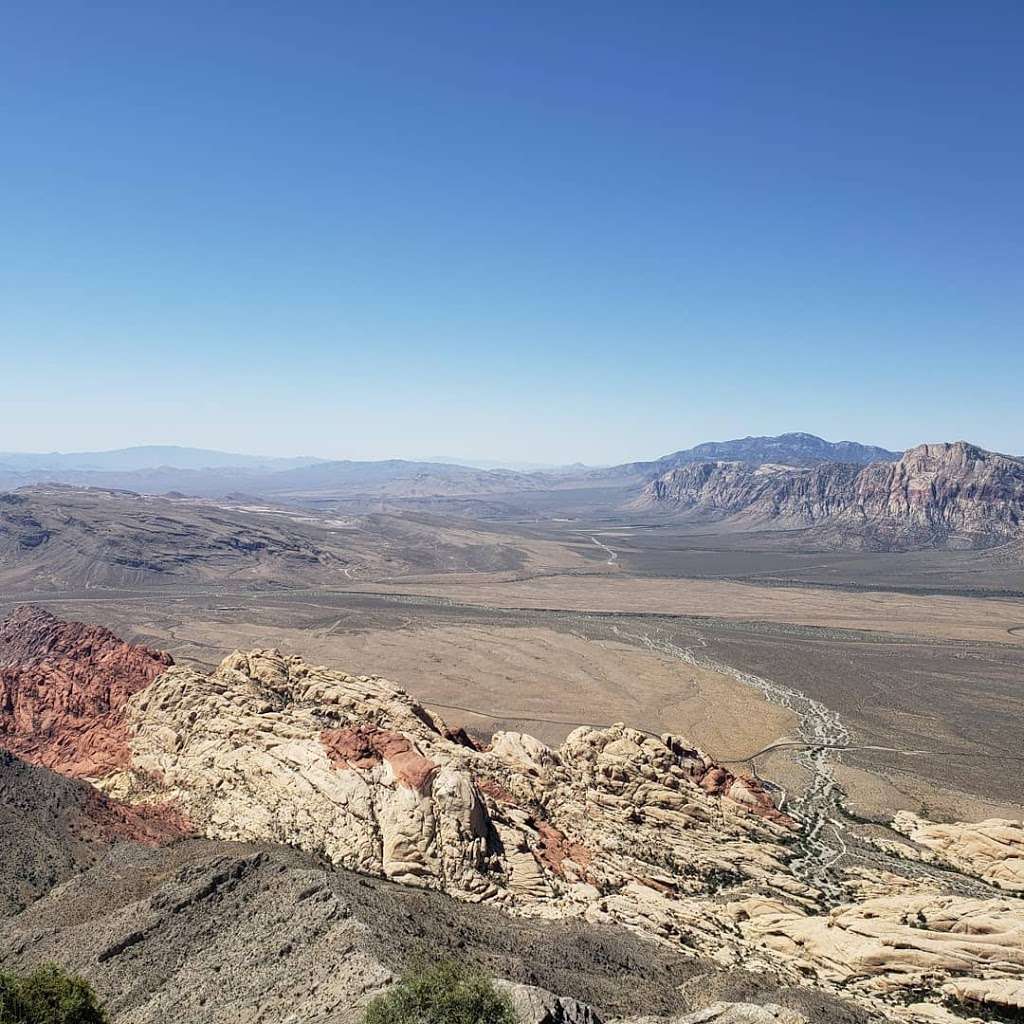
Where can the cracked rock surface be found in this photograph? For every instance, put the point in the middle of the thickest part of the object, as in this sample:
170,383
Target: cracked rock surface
615,832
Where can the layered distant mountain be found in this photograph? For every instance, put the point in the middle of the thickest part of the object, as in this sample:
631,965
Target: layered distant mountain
64,537
790,449
950,495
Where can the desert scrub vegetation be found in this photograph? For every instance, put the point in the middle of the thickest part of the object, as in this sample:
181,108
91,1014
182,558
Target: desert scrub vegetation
48,995
444,993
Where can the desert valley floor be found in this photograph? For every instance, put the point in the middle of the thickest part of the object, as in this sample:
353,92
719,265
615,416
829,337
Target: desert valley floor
866,704
918,657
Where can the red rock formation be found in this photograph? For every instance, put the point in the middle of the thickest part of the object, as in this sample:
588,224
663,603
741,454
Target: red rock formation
365,746
554,848
718,781
62,689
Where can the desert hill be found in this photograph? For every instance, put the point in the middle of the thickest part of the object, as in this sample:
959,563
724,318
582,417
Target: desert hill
615,830
72,537
946,495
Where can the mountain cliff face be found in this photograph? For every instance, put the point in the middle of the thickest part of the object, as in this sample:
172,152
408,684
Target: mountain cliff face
616,828
954,495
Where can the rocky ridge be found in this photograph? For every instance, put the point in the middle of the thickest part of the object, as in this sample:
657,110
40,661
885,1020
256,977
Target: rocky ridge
953,495
616,828
63,687
793,449
213,932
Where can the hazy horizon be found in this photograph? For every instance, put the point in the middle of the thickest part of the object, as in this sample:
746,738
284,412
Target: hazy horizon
481,461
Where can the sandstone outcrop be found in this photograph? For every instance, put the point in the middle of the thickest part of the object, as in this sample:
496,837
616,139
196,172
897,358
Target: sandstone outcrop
991,850
921,941
615,827
271,748
63,687
954,495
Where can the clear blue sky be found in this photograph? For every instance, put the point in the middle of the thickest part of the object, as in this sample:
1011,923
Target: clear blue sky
561,231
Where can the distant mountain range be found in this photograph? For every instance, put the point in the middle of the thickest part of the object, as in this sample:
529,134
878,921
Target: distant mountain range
146,457
849,494
786,449
158,469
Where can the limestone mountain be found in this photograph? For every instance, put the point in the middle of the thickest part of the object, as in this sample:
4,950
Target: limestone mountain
947,495
795,449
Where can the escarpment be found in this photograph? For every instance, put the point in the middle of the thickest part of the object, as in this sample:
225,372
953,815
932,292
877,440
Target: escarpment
951,495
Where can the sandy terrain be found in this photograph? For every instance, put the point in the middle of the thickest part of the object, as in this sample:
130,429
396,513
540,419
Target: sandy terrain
533,679
939,616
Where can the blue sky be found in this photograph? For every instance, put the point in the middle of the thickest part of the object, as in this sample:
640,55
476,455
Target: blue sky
544,232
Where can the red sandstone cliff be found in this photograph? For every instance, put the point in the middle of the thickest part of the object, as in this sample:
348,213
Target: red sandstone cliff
62,688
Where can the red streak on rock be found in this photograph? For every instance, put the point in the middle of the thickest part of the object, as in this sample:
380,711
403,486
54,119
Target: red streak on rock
365,746
554,848
744,790
63,687
494,790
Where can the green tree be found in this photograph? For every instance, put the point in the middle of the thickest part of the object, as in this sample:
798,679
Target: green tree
446,993
48,996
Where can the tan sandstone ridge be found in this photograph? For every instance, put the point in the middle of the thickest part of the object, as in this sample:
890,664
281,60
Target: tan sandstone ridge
991,850
614,826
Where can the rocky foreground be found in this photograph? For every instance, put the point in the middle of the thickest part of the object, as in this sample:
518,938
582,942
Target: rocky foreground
947,495
616,831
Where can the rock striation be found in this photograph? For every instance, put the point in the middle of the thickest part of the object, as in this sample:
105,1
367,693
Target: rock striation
615,828
953,495
991,850
63,688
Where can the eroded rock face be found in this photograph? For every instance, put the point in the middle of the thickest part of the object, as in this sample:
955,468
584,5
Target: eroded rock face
271,748
955,495
614,827
991,850
917,941
63,687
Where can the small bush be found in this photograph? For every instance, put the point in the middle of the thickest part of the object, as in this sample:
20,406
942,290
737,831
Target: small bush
48,996
446,993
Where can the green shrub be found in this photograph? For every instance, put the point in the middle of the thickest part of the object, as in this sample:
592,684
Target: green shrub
446,993
48,996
